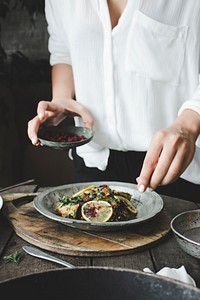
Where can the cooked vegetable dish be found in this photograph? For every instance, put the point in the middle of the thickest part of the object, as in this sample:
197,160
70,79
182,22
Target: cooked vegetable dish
97,204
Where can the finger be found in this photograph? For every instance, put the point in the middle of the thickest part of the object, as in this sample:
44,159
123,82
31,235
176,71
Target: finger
179,164
33,126
50,113
164,162
81,111
44,108
174,171
47,109
149,165
88,121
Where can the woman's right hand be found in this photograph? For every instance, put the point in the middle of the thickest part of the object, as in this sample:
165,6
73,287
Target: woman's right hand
51,113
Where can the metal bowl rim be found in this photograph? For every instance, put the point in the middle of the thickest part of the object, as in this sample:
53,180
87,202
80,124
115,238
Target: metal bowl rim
179,234
67,127
135,272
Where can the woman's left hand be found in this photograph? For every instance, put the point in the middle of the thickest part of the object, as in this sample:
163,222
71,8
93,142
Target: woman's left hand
170,153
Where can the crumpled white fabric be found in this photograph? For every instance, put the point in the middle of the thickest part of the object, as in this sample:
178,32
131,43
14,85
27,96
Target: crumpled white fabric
173,273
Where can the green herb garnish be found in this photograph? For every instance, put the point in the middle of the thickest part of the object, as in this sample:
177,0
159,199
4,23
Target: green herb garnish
15,257
65,200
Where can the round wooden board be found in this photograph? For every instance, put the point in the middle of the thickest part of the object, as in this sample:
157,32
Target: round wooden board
50,235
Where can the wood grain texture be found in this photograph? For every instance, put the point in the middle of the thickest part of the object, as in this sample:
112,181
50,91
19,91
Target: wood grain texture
56,237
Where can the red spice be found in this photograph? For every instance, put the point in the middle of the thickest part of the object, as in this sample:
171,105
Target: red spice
61,136
92,211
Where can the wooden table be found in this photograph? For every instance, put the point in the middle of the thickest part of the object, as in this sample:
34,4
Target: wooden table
164,253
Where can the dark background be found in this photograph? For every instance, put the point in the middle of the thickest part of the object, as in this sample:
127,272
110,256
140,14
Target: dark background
25,78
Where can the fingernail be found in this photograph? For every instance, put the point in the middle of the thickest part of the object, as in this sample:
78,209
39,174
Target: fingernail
149,189
137,178
33,141
41,116
141,188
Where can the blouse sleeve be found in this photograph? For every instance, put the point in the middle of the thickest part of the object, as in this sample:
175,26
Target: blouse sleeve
193,104
192,172
57,43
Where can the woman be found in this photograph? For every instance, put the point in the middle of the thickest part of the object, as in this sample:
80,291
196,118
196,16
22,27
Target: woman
133,68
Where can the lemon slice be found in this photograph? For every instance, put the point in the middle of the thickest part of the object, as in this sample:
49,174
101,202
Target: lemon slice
85,190
96,211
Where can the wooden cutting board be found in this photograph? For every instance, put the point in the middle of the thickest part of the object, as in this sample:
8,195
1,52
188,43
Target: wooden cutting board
50,235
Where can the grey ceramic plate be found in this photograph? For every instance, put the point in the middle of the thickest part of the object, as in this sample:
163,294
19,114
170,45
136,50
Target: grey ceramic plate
72,130
186,228
148,204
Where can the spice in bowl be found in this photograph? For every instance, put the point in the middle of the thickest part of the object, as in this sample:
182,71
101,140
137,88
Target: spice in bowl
59,136
64,137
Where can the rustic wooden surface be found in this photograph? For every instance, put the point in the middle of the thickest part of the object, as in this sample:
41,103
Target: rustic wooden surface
165,252
47,234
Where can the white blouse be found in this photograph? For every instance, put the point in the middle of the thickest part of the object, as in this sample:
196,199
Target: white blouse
136,78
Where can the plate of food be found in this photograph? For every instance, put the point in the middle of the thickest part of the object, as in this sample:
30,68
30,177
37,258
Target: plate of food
64,137
98,206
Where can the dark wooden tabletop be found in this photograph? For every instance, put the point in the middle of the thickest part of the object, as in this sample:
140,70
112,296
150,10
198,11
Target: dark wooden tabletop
164,253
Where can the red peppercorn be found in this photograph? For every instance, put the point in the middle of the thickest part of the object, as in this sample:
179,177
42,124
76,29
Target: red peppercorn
53,136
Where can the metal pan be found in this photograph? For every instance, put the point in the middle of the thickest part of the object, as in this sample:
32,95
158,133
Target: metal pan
97,283
186,229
